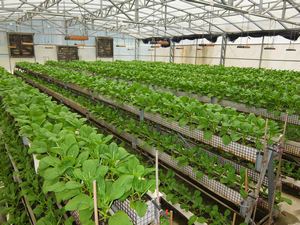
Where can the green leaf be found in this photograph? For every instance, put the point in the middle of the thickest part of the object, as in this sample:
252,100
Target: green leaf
243,193
83,156
48,161
182,160
208,135
226,139
80,202
85,216
38,146
192,220
72,185
89,167
235,136
201,219
120,186
71,145
199,175
140,207
66,194
119,218
56,187
51,173
287,200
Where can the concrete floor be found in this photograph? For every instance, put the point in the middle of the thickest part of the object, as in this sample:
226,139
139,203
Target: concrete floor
290,213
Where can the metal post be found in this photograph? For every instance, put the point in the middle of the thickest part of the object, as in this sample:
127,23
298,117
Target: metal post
196,53
154,57
172,52
283,9
157,187
137,49
261,51
223,49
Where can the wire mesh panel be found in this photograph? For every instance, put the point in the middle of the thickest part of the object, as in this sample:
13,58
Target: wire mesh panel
242,151
211,184
291,182
234,148
238,168
293,119
292,148
237,149
137,220
215,186
75,215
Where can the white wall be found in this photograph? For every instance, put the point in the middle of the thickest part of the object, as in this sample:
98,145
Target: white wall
185,52
48,36
87,53
44,53
4,57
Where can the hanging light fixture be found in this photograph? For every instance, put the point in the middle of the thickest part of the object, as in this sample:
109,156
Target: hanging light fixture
244,46
269,48
121,45
271,45
291,47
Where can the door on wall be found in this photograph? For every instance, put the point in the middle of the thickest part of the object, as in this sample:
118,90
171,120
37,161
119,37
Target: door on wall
105,47
66,53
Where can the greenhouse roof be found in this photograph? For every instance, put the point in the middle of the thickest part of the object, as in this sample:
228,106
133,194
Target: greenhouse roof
148,18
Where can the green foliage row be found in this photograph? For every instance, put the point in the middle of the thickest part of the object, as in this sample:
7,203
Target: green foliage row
212,119
167,142
44,208
277,91
72,154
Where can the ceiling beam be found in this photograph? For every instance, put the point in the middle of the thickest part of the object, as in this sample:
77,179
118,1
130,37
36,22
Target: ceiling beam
294,4
43,6
239,10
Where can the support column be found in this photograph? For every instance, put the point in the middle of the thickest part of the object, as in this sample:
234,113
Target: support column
137,49
261,52
223,50
172,52
196,51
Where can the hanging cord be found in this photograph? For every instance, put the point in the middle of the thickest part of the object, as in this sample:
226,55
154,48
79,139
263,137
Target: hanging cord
211,20
243,20
248,37
66,25
274,33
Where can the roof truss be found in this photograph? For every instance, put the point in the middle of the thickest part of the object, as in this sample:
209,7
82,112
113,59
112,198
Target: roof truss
153,17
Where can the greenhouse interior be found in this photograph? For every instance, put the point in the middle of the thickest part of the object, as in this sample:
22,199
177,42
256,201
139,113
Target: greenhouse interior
149,112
